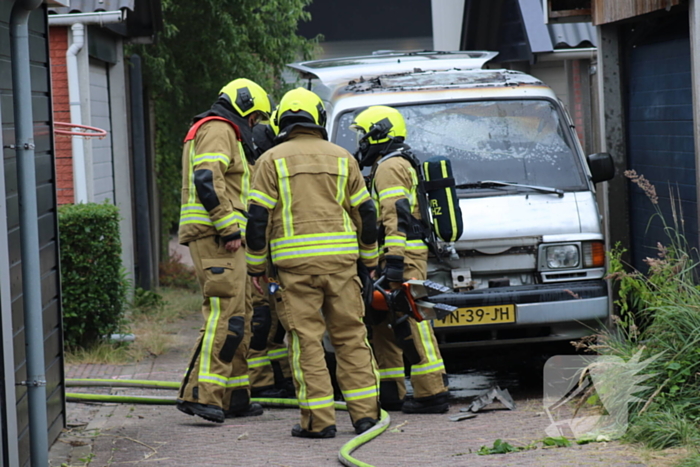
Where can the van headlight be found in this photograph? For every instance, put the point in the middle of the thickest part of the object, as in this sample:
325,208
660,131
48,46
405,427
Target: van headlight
562,256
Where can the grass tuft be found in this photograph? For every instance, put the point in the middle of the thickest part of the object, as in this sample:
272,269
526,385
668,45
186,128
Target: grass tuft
664,429
150,319
658,317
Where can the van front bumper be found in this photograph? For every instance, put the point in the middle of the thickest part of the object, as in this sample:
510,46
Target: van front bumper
544,313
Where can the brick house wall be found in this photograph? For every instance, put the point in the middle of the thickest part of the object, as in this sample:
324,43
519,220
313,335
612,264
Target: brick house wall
58,46
577,113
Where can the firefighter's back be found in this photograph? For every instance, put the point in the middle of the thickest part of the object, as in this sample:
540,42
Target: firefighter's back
311,229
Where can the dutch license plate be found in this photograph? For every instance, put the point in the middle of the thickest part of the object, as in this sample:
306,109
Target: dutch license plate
479,315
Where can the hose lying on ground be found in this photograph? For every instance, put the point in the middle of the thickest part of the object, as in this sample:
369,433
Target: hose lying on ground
344,455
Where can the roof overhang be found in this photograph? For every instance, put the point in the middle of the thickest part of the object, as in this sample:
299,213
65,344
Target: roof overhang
517,30
143,17
369,66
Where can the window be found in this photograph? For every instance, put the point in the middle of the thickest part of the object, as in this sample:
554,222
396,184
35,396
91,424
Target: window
518,141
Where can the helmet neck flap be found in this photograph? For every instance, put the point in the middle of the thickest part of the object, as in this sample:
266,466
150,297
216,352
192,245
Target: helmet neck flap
223,108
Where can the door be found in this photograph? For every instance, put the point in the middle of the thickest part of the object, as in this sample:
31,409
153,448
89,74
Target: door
102,159
660,131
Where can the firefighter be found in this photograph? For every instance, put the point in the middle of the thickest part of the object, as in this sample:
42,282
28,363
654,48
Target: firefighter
310,207
268,357
216,178
393,182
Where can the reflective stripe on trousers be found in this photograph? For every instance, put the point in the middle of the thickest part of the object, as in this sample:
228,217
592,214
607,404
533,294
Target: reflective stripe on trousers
207,344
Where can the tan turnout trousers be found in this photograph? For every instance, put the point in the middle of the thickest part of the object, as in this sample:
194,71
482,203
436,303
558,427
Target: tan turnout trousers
218,365
338,297
261,363
427,376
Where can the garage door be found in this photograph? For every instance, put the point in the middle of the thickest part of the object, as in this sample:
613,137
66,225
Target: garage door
660,131
102,168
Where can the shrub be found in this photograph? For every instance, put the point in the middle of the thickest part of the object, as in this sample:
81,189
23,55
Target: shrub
173,273
659,319
146,302
93,284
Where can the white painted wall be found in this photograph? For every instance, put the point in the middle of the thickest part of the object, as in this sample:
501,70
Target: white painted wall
447,23
103,171
553,74
122,157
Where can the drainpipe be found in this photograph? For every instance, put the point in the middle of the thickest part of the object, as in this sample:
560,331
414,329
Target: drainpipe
29,231
79,175
77,22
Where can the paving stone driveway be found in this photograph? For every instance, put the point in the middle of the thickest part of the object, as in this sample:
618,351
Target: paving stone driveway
159,435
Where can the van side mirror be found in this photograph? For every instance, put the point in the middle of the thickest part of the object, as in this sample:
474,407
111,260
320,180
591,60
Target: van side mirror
602,167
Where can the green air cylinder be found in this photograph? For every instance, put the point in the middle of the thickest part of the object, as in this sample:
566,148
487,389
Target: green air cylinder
444,205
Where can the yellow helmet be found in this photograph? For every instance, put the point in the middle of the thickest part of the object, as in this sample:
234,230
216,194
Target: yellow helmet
378,124
273,122
300,106
247,97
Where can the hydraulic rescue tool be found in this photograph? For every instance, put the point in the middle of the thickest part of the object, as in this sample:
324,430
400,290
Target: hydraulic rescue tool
410,300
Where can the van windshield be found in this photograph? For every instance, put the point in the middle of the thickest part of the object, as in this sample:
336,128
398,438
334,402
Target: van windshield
518,141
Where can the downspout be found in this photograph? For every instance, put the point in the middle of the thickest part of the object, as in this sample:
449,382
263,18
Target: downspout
29,231
77,23
78,150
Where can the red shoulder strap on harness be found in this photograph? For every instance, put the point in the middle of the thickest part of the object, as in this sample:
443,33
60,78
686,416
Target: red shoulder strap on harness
195,127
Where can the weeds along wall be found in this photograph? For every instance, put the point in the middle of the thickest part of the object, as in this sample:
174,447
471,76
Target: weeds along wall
93,282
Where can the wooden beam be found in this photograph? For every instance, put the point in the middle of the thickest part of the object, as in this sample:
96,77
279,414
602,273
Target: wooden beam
569,9
611,119
609,11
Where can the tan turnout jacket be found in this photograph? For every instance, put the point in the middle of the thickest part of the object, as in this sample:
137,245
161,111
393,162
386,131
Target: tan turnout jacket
395,180
312,195
213,167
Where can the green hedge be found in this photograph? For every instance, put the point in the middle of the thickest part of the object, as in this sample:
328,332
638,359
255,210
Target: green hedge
93,284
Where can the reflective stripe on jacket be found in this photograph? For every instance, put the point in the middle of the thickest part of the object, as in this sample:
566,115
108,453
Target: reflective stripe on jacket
215,182
310,207
394,188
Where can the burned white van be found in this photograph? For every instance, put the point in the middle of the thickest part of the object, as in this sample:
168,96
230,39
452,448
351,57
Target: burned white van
530,263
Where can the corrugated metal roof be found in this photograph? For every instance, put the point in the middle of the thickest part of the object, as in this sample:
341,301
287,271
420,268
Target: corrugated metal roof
572,34
88,6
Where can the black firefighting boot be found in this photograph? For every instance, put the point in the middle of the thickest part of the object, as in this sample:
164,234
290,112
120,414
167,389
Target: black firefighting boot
287,385
389,396
208,412
431,404
327,432
364,424
253,410
240,405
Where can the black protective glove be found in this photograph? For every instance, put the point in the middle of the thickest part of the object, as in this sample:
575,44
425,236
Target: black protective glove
393,271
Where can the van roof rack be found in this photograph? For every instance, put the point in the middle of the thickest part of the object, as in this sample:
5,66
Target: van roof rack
390,62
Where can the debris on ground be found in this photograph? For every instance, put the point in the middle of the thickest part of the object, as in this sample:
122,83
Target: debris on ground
398,428
488,397
462,416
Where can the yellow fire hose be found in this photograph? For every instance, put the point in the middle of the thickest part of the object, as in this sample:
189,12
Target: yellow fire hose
344,455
